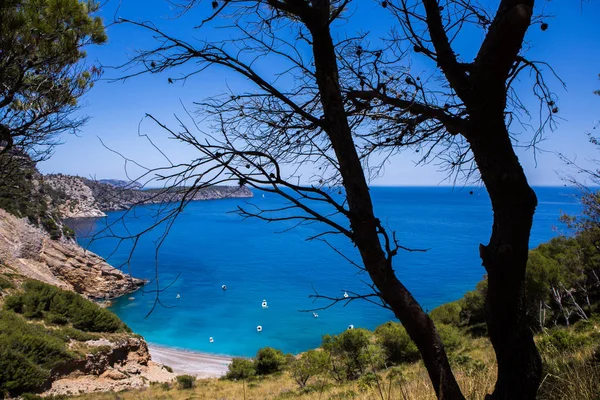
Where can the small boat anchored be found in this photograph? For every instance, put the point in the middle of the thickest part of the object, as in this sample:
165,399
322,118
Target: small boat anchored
211,340
350,327
178,296
131,298
224,287
345,294
315,315
264,304
259,328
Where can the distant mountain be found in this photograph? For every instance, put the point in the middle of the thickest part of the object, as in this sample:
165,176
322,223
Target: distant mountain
118,183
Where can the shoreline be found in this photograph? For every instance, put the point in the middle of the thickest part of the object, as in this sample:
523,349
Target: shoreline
202,365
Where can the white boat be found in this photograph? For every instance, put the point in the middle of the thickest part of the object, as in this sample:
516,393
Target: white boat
350,327
345,295
264,304
178,296
315,315
131,298
210,339
223,287
259,328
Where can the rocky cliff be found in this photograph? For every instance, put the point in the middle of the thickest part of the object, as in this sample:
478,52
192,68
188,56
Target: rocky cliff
88,198
109,365
31,252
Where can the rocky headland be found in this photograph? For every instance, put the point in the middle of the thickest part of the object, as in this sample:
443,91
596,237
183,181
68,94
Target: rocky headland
29,251
86,198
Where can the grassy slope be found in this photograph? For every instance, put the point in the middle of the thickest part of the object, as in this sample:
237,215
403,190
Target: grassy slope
43,328
570,355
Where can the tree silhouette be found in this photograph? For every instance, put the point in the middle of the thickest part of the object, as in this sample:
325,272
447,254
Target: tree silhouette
331,104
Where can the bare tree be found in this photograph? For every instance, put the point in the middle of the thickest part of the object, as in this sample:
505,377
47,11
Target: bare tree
332,104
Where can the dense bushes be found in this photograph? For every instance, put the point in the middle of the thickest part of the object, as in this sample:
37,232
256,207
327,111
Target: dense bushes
240,368
269,360
449,313
186,381
352,353
27,354
5,284
29,351
398,346
56,306
309,364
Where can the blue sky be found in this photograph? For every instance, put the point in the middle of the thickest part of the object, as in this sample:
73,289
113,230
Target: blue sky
115,109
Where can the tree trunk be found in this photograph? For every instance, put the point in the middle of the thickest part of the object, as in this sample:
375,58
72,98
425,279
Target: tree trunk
505,258
364,225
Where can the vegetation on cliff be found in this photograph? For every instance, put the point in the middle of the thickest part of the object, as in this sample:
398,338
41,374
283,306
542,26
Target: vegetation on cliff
24,194
39,325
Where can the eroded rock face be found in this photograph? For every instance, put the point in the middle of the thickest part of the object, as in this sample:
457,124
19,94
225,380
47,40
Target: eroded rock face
32,253
115,364
80,201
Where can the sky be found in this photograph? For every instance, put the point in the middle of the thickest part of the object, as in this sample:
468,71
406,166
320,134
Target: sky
116,108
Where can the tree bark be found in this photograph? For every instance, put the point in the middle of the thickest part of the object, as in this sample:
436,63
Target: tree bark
505,258
365,226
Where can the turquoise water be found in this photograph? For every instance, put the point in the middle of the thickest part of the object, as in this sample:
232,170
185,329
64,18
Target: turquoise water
209,246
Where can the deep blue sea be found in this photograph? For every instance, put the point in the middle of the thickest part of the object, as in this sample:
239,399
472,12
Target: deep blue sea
208,246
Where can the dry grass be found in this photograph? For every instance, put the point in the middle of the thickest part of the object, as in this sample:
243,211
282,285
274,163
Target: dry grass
570,375
408,382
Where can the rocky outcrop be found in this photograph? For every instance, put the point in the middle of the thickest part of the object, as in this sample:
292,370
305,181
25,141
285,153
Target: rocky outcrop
109,365
79,201
87,198
30,251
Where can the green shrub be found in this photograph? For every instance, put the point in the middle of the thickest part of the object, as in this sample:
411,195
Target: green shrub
27,353
169,369
448,313
56,319
468,365
76,334
57,306
5,283
14,303
240,368
18,374
352,353
269,360
396,343
309,364
451,336
368,381
186,381
472,305
560,340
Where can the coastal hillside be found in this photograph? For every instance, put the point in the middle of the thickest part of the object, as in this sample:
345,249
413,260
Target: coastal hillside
58,342
85,198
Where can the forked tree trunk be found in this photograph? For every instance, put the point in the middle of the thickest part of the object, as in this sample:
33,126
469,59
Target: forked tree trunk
505,259
363,223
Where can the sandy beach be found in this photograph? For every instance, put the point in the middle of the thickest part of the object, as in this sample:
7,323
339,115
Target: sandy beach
188,362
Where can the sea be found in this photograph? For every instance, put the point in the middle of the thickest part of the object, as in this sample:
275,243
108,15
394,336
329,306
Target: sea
208,245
